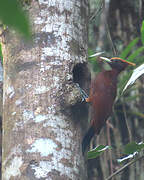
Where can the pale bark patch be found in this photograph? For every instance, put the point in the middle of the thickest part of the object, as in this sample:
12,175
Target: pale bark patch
10,91
18,102
40,118
14,168
41,89
43,146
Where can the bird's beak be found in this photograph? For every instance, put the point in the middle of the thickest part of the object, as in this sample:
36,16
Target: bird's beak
96,54
106,59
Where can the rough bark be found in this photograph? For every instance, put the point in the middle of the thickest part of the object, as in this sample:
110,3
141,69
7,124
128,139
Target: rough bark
43,118
1,111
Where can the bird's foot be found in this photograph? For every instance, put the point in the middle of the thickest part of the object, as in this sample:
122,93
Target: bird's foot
109,124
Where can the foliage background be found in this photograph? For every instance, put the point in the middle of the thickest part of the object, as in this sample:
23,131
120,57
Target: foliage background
115,28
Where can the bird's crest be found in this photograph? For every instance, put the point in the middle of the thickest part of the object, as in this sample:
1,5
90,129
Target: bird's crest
117,58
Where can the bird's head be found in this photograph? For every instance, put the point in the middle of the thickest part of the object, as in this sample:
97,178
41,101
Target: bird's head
118,63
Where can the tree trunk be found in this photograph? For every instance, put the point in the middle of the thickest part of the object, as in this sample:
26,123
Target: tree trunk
43,117
1,111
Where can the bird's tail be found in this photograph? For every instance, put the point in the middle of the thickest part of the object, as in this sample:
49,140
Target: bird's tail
87,138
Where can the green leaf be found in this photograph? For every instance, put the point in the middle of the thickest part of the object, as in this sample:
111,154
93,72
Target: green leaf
133,147
131,97
141,115
123,80
139,71
131,150
90,52
139,60
142,33
93,61
12,15
130,156
135,54
129,47
94,153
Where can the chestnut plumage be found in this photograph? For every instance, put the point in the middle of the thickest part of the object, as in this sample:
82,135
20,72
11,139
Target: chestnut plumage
102,96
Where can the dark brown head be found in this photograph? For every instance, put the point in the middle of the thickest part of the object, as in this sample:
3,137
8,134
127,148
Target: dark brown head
118,63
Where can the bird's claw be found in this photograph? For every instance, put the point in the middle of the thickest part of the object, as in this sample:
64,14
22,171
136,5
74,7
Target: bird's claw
82,92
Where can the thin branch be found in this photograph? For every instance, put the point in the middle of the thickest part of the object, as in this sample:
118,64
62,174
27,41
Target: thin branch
97,12
125,166
126,120
109,144
111,41
140,10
